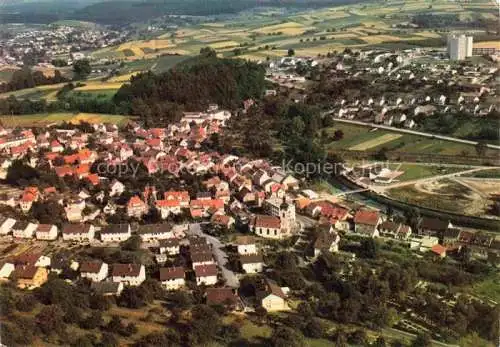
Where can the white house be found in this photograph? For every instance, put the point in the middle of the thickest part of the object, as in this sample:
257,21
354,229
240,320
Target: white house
129,274
172,278
170,246
115,233
272,298
252,263
153,232
246,244
206,274
116,188
326,242
24,229
6,269
95,271
6,225
47,232
78,232
202,258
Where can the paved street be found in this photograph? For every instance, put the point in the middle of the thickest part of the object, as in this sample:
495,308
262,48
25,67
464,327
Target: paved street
220,255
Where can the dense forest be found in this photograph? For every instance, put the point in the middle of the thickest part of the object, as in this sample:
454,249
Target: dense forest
191,87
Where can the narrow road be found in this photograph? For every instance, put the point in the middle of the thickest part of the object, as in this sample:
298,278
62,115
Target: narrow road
382,189
408,131
220,255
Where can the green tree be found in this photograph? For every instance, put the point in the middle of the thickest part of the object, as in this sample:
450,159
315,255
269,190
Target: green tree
50,320
480,149
422,340
133,243
82,69
291,52
287,337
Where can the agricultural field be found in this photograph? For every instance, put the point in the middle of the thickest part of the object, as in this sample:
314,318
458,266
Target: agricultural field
378,141
356,25
42,120
368,139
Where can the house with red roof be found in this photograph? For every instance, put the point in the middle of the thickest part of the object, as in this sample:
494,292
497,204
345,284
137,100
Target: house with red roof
30,195
55,146
366,223
206,274
181,196
439,250
136,207
206,207
172,278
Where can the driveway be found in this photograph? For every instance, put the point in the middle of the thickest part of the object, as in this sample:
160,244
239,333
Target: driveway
220,255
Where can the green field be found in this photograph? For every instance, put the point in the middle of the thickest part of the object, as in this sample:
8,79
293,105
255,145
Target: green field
488,289
357,136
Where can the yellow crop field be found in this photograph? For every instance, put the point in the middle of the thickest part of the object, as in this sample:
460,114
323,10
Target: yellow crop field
374,39
100,86
123,78
363,146
288,28
487,44
223,44
428,34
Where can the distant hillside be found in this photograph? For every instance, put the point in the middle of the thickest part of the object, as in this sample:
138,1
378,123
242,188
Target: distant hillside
120,11
43,12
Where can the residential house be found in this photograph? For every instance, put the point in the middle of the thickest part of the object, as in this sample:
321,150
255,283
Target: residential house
95,271
181,196
155,232
23,229
30,276
172,278
74,210
170,246
107,288
201,257
116,188
451,236
439,250
246,245
115,233
223,296
272,297
326,242
29,196
366,223
136,207
6,270
167,207
251,263
206,274
47,232
78,232
6,225
128,274
433,226
222,220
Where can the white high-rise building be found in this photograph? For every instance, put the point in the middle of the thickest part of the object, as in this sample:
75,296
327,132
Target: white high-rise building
459,47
